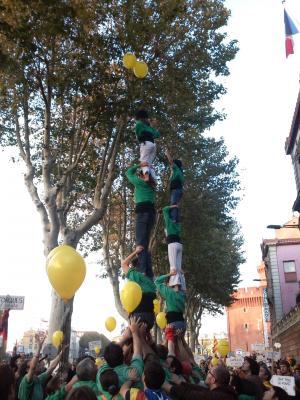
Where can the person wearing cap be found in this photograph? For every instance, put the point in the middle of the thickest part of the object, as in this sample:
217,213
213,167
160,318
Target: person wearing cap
146,136
173,233
176,185
144,198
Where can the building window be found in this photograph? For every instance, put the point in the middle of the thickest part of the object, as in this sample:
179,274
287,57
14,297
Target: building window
289,269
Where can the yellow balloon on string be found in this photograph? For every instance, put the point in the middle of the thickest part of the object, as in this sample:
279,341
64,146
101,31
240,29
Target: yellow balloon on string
99,362
110,324
140,69
131,296
97,349
129,60
223,347
57,338
66,270
161,320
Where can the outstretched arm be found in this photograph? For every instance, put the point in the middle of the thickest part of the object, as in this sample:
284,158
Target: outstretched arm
137,347
125,263
35,359
55,361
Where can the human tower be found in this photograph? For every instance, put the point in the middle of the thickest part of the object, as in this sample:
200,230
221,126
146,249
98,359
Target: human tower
138,265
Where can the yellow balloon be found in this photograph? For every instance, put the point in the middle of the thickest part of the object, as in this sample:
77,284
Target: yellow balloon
214,361
97,349
140,69
99,362
56,250
66,271
156,304
110,324
131,296
161,320
223,347
57,338
129,60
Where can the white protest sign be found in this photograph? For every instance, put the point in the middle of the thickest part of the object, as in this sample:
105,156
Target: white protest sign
12,302
94,344
260,358
234,362
258,347
286,383
198,358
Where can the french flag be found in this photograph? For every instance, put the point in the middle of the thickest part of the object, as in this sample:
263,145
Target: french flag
290,30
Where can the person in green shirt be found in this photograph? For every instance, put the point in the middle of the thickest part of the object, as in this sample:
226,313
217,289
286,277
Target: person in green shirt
173,232
145,217
145,310
31,386
146,135
114,357
176,185
175,300
86,372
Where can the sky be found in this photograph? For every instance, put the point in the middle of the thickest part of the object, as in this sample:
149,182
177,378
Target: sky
261,96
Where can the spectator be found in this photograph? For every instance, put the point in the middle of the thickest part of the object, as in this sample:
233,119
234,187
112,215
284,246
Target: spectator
285,369
114,357
265,376
7,382
31,386
82,393
86,372
111,386
154,377
276,393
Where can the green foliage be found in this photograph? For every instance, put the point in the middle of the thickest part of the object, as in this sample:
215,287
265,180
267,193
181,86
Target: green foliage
66,102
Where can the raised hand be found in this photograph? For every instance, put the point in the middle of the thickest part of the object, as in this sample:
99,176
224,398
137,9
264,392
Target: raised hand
139,249
134,325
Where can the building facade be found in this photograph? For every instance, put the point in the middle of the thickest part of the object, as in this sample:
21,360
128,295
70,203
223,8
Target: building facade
292,148
248,320
282,259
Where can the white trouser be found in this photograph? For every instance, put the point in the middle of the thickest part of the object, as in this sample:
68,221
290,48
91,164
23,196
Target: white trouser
175,260
147,154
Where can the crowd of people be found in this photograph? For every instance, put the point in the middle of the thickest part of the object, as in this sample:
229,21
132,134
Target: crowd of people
137,368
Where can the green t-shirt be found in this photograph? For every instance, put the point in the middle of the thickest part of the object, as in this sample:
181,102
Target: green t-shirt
175,300
172,227
32,390
177,174
141,127
59,394
146,284
143,192
91,384
122,372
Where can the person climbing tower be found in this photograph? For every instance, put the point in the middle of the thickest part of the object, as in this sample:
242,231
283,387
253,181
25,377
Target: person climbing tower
176,185
145,310
144,197
146,135
175,306
173,232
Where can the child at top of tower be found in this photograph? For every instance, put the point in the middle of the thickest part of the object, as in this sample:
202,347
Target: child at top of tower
146,136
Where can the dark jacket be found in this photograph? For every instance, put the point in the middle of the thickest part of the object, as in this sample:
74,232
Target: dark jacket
186,391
